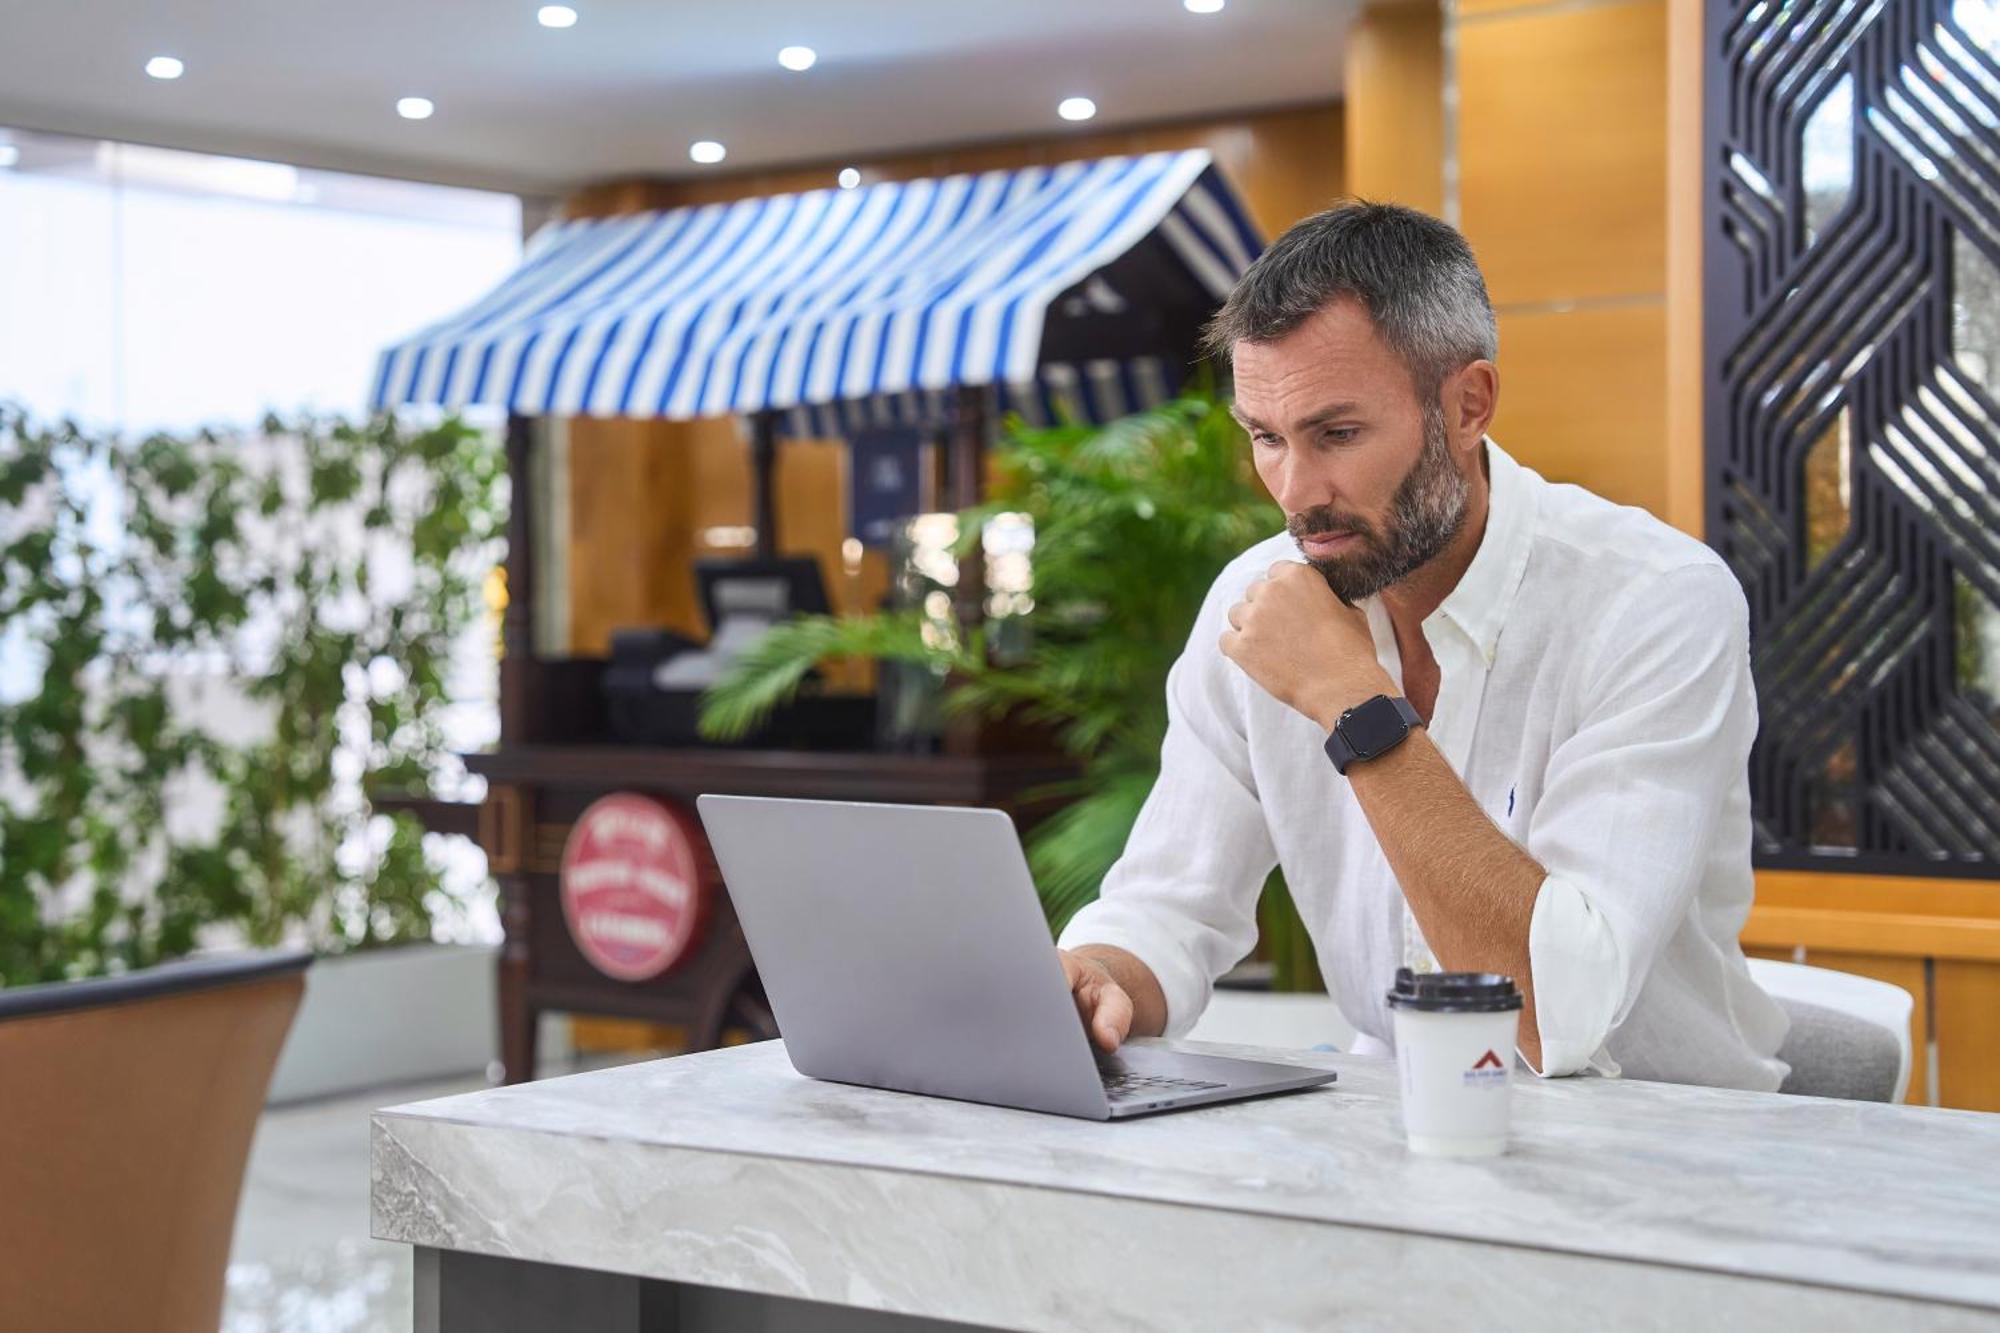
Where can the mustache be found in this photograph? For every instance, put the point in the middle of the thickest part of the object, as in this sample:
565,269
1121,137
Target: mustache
1325,523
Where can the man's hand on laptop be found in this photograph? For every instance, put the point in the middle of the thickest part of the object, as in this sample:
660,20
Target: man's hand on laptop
1105,1007
1116,994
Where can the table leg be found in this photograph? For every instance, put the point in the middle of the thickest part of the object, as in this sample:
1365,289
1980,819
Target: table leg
519,1020
478,1293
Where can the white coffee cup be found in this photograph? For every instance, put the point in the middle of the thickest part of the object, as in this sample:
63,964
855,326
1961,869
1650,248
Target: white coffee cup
1455,1055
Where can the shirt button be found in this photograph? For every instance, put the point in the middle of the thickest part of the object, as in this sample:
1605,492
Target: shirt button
1425,967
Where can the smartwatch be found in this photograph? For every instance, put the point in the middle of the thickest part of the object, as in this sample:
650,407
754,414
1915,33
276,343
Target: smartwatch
1370,729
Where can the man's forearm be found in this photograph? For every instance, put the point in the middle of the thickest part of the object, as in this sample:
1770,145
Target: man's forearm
1149,1002
1470,886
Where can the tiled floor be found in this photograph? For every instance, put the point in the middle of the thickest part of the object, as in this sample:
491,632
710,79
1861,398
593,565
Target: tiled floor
302,1260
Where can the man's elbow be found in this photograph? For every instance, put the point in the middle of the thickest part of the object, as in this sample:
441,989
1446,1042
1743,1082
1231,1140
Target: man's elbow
1579,980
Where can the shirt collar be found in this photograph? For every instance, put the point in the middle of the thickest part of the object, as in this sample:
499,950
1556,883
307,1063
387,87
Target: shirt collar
1485,593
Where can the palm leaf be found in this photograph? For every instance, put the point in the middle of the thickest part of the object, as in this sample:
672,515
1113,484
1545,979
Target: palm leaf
1070,851
771,671
1132,522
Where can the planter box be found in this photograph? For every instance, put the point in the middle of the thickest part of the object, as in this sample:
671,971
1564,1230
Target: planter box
399,1015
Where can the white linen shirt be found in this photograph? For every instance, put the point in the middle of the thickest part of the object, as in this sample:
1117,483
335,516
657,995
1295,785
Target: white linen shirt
1595,698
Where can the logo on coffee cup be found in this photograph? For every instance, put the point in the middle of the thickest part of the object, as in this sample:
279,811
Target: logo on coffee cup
1488,1068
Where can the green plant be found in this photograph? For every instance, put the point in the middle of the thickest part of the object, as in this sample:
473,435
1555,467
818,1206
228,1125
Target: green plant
1132,522
316,580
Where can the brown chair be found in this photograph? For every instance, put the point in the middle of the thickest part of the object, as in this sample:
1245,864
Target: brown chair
127,1105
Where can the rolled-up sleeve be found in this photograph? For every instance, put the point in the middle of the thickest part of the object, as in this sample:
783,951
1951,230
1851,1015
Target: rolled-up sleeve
1183,897
1632,803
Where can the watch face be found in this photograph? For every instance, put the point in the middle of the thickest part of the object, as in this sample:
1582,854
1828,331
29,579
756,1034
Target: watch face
1373,727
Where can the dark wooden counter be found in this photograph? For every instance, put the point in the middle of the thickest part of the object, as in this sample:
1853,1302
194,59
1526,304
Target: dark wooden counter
819,775
535,792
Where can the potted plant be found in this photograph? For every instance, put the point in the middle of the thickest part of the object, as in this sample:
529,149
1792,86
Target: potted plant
1131,523
213,650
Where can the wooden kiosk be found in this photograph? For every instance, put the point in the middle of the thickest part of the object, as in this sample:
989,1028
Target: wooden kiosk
933,304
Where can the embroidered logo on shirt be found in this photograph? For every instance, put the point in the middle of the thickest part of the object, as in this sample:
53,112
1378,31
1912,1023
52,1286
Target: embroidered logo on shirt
1489,1061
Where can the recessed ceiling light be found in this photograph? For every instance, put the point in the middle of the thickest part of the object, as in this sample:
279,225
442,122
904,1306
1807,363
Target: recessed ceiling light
1076,108
414,108
1203,6
707,151
9,155
556,16
797,57
849,178
165,67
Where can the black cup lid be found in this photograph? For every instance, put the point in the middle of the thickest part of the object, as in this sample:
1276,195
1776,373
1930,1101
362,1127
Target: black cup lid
1454,992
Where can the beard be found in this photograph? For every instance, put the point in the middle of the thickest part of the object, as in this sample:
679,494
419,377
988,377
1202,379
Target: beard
1426,512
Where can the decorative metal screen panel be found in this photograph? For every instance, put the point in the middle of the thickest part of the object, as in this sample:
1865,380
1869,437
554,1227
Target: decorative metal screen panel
1852,323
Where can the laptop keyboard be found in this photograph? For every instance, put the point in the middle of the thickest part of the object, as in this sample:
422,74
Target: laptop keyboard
1127,1086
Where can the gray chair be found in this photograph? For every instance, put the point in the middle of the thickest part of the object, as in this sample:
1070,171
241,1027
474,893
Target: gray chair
1838,1055
1850,1035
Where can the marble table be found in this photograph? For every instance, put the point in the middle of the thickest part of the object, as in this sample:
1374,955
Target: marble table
724,1190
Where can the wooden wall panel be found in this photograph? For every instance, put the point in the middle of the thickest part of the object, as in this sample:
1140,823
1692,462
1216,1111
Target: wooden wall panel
631,526
1475,8
1485,8
1395,105
1562,150
813,521
1968,1034
1561,168
1582,398
647,495
717,476
1923,934
1882,894
1685,456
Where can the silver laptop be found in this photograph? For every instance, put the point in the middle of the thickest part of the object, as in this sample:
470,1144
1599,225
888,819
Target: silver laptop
902,946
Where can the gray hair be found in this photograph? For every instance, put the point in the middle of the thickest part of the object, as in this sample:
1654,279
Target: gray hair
1414,275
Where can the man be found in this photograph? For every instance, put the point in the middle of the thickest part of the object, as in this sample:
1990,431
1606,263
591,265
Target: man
1541,701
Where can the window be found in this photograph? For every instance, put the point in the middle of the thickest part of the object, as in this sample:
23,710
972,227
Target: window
146,289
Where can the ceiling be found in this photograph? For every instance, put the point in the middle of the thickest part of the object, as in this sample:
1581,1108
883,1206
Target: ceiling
624,92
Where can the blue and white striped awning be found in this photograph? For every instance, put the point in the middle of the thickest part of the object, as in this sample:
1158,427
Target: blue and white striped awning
848,306
1095,391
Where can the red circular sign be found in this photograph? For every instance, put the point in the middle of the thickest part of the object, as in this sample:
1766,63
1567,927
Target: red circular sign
631,893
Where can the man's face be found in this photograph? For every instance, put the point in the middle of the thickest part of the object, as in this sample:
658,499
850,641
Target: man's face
1364,472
